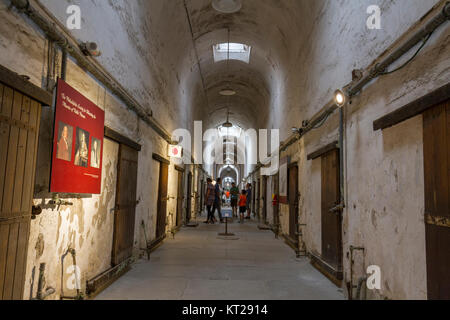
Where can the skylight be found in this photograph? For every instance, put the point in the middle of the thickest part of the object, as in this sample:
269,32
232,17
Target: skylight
238,51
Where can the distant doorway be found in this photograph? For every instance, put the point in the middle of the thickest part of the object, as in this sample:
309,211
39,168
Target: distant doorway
161,219
189,198
293,198
180,198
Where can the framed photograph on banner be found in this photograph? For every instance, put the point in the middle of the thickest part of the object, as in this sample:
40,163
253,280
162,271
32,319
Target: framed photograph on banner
284,163
77,143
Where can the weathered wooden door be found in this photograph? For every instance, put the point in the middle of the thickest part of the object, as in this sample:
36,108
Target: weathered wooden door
254,198
162,200
258,200
125,210
275,208
293,201
189,198
436,129
202,197
264,200
19,130
180,198
331,221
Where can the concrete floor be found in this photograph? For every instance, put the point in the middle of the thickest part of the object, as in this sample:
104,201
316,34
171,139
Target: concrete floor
196,265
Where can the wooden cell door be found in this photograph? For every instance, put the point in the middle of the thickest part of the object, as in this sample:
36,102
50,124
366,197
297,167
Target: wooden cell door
125,209
161,219
202,197
275,208
264,200
19,131
293,201
258,200
189,198
331,221
436,129
180,198
254,198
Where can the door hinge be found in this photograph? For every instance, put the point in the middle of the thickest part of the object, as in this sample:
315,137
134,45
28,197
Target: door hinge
337,209
437,221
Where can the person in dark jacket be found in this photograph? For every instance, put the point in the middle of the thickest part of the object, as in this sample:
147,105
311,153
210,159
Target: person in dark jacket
249,200
218,200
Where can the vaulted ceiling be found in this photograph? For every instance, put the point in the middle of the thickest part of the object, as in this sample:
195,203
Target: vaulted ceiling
271,28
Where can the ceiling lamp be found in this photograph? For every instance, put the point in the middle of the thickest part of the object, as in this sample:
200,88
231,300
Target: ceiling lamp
227,6
227,92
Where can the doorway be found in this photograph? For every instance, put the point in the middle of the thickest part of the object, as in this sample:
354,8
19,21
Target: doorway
264,199
180,198
332,250
189,198
436,133
293,198
125,209
254,198
258,200
163,185
202,197
19,131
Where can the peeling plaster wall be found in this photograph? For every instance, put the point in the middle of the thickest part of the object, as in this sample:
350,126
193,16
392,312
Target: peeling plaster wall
134,56
384,169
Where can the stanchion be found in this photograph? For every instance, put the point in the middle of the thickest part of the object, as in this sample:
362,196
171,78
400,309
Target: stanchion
227,236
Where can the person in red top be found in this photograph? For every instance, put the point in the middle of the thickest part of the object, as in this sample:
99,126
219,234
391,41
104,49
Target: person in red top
242,205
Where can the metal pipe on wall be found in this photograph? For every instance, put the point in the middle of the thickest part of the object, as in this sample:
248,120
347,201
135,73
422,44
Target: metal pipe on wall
356,86
71,47
381,66
64,65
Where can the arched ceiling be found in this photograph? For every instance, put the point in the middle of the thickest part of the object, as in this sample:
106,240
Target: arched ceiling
271,28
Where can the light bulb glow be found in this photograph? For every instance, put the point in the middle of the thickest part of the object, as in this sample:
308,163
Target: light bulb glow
339,98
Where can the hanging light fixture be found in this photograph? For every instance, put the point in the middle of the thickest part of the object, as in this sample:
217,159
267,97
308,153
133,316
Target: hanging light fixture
227,6
228,124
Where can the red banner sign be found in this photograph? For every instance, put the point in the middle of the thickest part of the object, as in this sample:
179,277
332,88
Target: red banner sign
77,143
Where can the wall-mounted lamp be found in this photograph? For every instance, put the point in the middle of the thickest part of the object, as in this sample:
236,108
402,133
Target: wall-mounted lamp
340,98
90,49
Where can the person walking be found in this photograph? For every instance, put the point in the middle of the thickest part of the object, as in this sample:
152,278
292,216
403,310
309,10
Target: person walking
249,201
242,205
234,199
210,198
218,200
